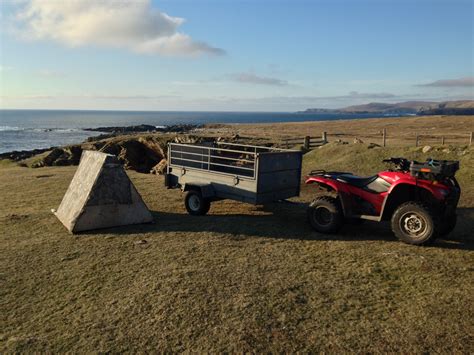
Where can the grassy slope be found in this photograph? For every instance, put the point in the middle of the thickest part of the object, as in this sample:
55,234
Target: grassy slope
242,278
400,131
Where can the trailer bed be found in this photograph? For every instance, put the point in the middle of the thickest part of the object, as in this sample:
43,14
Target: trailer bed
252,174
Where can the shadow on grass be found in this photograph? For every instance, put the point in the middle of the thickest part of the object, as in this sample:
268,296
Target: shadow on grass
286,221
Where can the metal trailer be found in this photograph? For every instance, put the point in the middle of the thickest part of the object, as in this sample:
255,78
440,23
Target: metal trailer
246,173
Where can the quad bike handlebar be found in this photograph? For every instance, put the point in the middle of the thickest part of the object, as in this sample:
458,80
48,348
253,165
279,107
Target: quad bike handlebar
401,164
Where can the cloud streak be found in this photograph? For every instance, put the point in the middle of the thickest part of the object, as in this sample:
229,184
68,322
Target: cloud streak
47,73
128,24
362,95
449,83
250,78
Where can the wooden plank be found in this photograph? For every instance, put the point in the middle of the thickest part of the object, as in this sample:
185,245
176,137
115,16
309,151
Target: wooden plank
324,136
293,140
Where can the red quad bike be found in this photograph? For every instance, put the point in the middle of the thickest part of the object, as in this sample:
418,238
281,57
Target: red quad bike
419,199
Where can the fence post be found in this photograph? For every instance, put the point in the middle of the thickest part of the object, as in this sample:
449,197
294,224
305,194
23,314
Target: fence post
470,139
306,142
417,140
442,140
384,137
325,137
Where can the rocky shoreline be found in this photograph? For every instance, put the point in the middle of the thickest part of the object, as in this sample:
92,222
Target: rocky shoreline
107,133
142,148
177,128
17,155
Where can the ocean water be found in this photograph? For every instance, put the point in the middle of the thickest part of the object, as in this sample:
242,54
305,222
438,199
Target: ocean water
31,129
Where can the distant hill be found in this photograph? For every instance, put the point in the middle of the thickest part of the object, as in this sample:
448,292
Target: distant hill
465,107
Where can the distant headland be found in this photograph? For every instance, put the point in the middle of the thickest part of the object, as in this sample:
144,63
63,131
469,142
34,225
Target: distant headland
464,107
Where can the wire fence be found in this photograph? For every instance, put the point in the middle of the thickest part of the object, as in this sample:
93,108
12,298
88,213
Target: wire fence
382,138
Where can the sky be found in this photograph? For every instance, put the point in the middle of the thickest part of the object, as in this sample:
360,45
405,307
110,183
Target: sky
231,55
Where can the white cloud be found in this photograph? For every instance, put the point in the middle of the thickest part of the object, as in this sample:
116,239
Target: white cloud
130,24
363,95
461,82
169,101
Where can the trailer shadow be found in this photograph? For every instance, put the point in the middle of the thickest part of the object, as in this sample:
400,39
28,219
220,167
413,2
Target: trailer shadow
282,221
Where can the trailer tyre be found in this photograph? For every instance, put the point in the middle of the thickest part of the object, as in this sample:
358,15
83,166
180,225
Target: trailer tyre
414,223
196,205
325,215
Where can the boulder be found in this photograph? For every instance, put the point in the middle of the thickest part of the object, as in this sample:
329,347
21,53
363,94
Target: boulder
185,139
69,155
358,140
140,154
373,145
160,168
427,149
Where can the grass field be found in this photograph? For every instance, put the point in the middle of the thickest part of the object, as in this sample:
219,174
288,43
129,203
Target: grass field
401,131
243,278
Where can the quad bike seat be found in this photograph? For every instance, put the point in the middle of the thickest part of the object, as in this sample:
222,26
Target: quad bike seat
356,181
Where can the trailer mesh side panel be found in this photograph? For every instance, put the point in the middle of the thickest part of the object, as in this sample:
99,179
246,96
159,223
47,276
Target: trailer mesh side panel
213,159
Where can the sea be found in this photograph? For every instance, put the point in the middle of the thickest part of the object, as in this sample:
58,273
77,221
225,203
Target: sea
34,129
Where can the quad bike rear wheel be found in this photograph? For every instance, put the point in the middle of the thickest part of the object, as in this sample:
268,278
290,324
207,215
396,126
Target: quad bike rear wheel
196,205
325,215
414,223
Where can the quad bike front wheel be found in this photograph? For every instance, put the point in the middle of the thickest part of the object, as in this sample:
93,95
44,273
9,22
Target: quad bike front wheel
196,205
325,215
414,223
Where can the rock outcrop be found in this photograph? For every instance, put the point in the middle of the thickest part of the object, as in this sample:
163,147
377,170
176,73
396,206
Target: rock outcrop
140,153
160,168
18,155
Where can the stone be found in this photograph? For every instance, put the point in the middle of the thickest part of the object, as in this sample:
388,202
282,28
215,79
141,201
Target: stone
160,168
358,140
101,195
426,149
373,145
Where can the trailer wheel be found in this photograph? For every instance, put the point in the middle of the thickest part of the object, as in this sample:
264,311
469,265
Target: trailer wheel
414,223
325,215
196,205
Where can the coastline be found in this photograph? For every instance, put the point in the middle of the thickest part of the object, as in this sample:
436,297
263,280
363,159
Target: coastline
401,131
26,130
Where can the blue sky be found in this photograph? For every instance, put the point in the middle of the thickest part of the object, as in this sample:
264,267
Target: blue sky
261,55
